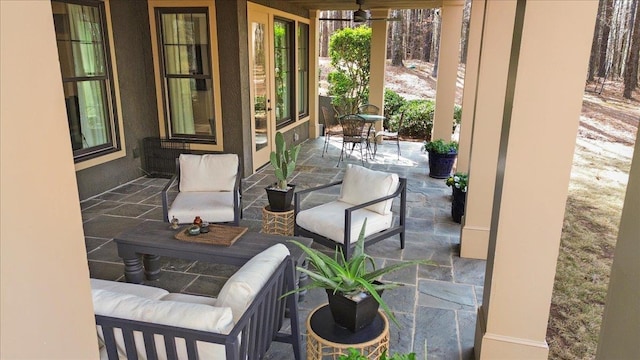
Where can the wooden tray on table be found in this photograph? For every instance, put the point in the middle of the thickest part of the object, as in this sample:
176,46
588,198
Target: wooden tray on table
218,235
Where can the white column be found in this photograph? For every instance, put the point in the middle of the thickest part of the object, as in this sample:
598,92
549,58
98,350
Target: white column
448,60
470,84
378,60
487,124
539,127
314,43
620,330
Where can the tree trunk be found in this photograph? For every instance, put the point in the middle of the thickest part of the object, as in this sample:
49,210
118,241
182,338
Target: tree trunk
631,68
398,50
606,28
465,31
436,41
595,44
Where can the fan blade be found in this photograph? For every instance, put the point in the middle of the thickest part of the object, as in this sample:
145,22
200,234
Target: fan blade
329,19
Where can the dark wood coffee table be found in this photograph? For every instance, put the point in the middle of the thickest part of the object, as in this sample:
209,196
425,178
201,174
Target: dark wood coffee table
153,239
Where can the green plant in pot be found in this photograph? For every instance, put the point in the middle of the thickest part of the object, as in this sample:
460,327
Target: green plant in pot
283,161
442,156
352,286
458,183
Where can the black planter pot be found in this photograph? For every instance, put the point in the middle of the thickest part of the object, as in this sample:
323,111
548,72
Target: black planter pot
440,165
457,205
350,314
280,200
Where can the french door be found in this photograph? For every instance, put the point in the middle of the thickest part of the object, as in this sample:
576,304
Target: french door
262,124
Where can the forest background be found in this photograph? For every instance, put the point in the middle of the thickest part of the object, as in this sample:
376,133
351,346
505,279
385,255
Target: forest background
604,147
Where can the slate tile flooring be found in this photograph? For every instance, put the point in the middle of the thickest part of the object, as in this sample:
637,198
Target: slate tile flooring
437,306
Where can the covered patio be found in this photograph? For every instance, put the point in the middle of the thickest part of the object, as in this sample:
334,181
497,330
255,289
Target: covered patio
437,305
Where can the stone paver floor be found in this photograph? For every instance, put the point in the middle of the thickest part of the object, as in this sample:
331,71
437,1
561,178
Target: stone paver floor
436,307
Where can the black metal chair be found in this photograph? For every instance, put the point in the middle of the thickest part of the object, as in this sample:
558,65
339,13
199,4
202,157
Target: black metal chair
390,135
328,131
353,134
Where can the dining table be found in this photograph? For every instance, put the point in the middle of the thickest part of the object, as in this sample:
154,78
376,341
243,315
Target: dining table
371,119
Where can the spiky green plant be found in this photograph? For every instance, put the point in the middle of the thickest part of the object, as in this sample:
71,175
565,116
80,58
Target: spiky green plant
283,160
352,276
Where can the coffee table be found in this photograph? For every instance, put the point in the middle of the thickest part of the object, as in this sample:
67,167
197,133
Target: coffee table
152,239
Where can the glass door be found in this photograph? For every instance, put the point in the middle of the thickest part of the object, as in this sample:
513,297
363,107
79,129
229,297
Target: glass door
259,88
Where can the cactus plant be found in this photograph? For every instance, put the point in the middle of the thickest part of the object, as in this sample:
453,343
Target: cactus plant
283,161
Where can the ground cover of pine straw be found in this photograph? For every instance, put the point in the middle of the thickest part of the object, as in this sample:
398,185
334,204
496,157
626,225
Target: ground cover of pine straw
599,177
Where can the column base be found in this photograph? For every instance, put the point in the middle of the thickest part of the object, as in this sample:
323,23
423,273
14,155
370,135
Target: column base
497,346
474,242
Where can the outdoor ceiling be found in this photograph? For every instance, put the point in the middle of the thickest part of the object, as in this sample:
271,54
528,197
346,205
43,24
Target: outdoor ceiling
366,4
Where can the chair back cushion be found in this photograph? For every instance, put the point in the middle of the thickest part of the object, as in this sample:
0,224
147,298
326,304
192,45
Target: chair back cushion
243,286
172,313
209,172
361,185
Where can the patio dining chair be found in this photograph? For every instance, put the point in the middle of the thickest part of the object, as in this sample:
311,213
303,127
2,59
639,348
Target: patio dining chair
353,134
364,194
369,109
390,135
328,132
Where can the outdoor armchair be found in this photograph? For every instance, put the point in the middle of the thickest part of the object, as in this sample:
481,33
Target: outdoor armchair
364,194
209,187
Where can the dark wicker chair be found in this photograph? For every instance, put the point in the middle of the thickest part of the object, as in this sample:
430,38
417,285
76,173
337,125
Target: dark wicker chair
353,134
328,132
390,135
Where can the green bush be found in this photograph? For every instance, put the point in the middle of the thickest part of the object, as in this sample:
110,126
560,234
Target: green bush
440,146
418,118
392,104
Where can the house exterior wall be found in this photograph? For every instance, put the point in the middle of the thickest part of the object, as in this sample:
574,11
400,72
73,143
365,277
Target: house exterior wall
132,40
46,310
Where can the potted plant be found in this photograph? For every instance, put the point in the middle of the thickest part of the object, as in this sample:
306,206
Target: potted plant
283,161
352,286
458,183
442,155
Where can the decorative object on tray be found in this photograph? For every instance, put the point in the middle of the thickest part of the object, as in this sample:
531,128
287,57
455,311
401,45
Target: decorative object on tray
174,223
216,235
283,161
351,279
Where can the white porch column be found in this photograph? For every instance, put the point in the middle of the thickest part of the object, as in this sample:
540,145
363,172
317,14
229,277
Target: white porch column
378,60
487,123
542,108
620,328
448,60
314,43
470,84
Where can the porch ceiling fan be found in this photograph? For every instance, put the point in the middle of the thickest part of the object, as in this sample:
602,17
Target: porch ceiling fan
360,16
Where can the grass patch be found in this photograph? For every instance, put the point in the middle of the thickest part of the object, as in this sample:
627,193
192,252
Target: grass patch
590,230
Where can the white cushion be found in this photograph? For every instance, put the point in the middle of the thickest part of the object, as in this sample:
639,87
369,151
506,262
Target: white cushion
361,185
210,206
187,298
328,220
243,286
144,291
209,172
186,315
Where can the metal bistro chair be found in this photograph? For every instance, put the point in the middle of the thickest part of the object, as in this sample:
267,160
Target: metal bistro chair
353,133
390,135
326,117
369,109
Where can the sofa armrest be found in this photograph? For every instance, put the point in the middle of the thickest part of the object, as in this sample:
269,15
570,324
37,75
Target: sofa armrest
165,192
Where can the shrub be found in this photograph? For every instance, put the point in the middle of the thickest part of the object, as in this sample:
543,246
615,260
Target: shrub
418,118
392,104
440,146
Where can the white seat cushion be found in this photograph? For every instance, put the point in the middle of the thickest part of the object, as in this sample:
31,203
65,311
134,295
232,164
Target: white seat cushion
210,206
360,185
186,315
144,291
243,286
209,172
328,220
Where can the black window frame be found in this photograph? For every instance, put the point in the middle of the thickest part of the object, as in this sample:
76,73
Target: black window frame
109,96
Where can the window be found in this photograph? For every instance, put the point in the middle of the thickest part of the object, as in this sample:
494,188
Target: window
83,50
303,70
186,73
284,71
